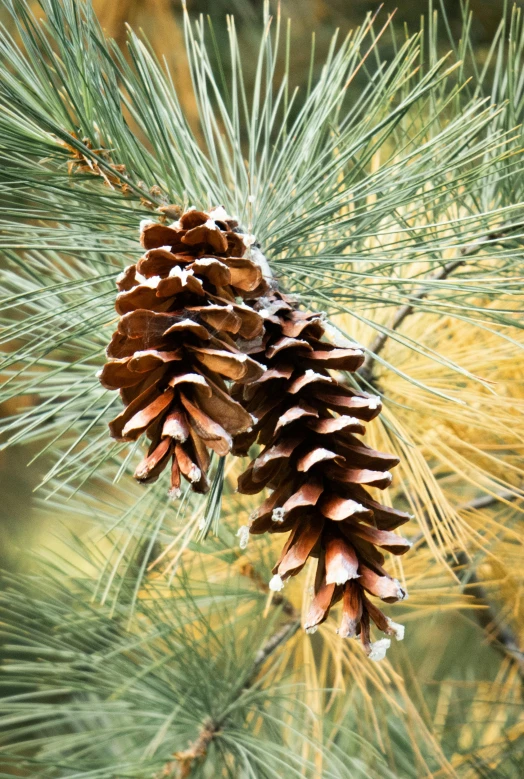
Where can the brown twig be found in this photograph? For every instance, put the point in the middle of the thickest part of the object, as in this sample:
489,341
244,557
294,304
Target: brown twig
182,765
367,368
86,159
184,761
500,635
278,638
485,501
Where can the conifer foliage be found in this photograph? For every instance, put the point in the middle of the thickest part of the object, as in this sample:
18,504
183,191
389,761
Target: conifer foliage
317,337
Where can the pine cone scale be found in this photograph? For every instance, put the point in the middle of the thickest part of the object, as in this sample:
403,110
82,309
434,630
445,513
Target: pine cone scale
195,314
175,344
307,421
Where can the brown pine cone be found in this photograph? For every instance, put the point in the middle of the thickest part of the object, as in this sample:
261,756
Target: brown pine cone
176,343
318,471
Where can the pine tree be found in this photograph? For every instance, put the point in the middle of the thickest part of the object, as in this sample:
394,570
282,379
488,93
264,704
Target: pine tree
306,259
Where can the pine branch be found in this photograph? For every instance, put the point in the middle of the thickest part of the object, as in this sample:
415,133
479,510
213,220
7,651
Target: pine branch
484,501
367,369
182,765
278,638
85,159
501,636
287,167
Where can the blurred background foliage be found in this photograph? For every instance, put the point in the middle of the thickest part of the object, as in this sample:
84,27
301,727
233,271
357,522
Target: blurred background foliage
456,684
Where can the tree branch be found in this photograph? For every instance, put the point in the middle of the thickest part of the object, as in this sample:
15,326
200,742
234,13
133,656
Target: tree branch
485,501
278,638
367,368
502,637
182,765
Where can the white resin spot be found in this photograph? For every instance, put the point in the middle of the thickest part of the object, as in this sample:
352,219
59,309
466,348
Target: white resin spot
243,536
401,594
276,584
195,474
121,276
146,223
312,629
278,515
174,493
337,338
221,214
379,649
310,373
354,507
212,261
152,282
373,402
394,629
183,275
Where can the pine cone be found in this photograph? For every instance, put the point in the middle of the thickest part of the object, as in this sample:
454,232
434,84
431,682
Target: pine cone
176,343
319,471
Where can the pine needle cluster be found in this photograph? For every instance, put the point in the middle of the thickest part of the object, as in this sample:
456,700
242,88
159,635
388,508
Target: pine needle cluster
388,194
